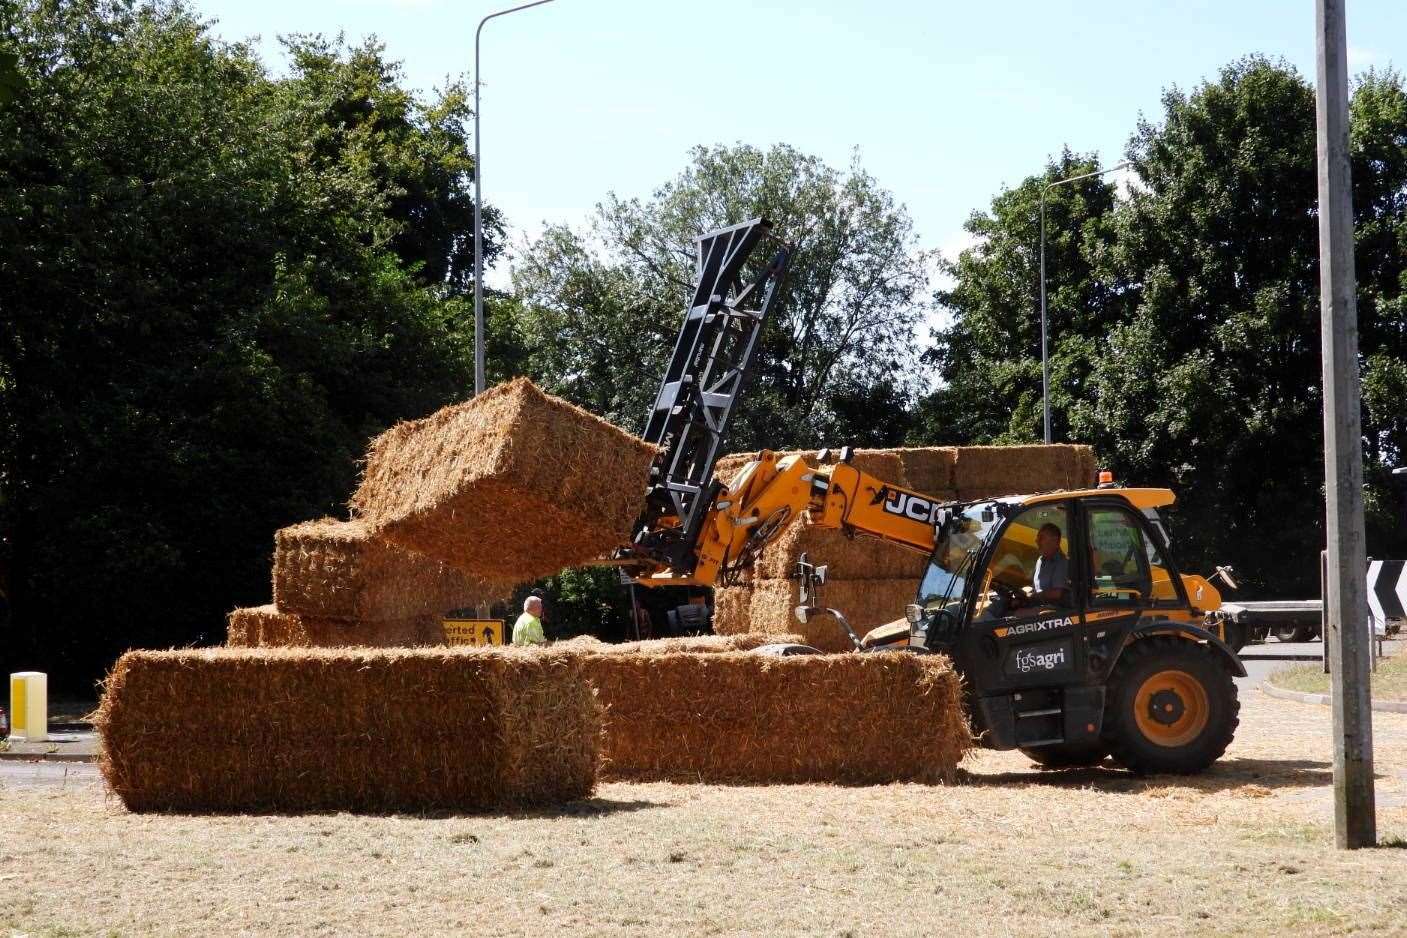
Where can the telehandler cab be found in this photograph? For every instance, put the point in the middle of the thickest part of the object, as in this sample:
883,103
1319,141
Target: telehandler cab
1119,661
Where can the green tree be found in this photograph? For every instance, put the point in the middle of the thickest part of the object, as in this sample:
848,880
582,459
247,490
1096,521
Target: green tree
988,357
216,286
1185,318
836,364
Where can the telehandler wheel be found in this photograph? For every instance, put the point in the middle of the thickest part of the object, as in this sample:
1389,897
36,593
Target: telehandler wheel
1172,707
1068,755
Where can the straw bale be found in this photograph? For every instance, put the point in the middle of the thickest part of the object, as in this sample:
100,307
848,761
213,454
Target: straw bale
513,484
1086,468
736,717
884,464
769,606
929,469
221,729
855,557
337,569
701,644
270,627
1015,470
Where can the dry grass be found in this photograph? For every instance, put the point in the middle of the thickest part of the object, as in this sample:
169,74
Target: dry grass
347,730
338,569
769,606
1246,849
738,717
1389,681
268,627
513,484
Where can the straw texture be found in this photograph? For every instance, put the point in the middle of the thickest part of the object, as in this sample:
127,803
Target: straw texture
269,627
513,484
768,606
337,569
988,471
736,717
347,730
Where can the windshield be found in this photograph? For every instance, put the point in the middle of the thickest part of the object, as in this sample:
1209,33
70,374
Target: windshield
955,555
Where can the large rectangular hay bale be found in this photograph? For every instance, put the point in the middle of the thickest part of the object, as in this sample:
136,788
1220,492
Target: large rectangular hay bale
270,627
884,464
347,730
513,484
699,644
768,606
735,717
929,469
1015,470
857,557
337,569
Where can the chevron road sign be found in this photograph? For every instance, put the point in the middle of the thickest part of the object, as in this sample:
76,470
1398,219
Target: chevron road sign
1387,592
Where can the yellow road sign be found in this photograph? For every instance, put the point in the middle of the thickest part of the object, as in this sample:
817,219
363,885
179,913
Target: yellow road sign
474,631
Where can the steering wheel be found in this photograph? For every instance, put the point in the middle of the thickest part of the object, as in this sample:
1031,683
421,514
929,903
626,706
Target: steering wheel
1014,597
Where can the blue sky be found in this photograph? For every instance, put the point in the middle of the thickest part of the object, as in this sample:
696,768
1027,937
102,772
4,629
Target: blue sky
947,102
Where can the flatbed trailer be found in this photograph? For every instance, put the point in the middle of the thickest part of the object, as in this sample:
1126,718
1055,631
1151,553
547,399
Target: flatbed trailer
1289,620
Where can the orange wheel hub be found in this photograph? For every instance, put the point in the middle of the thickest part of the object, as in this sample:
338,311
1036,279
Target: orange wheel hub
1171,708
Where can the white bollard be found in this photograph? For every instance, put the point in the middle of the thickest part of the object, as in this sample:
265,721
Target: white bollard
29,706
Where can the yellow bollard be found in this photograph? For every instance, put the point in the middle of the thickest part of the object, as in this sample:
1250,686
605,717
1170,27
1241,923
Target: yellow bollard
29,706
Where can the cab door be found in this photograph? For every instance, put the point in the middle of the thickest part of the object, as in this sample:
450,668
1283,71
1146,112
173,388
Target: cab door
1127,574
1015,641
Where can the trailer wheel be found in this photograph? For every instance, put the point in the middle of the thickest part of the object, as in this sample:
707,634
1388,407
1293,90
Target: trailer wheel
1068,755
1172,707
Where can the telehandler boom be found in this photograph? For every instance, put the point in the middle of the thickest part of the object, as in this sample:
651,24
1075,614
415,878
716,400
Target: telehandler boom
1111,657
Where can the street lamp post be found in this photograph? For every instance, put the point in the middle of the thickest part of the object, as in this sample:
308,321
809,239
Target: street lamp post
1045,352
479,208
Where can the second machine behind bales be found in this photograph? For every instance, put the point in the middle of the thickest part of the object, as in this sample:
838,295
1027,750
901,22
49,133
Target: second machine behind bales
1119,662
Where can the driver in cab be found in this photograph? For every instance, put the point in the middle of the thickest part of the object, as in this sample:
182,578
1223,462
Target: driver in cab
1050,583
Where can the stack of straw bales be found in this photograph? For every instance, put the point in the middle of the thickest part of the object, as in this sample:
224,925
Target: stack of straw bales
513,484
452,512
335,583
348,729
871,581
734,717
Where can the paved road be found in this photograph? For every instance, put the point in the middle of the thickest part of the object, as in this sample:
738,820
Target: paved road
1260,660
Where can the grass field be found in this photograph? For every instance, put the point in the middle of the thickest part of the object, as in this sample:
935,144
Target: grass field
1243,849
1389,681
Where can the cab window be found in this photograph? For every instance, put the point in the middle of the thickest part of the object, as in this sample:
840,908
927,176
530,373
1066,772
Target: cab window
1121,562
1029,568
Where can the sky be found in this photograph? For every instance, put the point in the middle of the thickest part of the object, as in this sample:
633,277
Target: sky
946,102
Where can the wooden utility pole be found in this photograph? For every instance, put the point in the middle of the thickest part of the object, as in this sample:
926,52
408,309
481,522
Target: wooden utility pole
1347,642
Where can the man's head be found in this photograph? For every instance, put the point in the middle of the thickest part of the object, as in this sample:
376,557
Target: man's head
1048,540
533,606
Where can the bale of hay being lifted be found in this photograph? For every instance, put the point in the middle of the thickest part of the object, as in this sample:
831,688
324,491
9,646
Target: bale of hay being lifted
347,729
735,717
768,606
270,627
333,569
513,484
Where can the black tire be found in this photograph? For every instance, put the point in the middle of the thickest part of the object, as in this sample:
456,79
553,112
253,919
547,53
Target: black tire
1303,633
1285,633
1068,755
1193,679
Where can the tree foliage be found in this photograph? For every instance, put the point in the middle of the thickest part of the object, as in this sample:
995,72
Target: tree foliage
216,286
836,364
1185,318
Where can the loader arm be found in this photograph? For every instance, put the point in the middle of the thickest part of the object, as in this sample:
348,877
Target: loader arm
770,493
